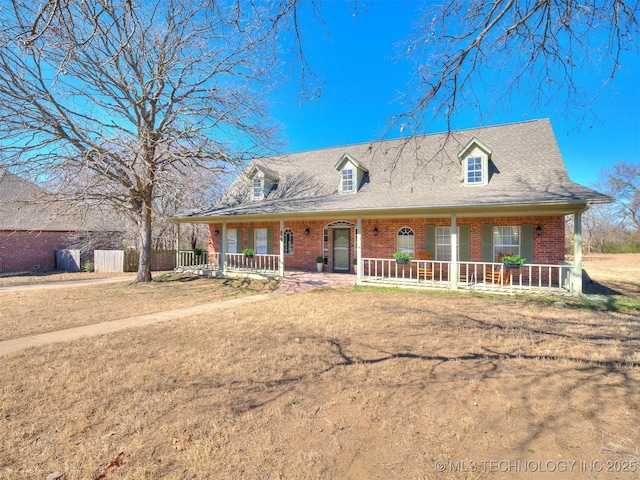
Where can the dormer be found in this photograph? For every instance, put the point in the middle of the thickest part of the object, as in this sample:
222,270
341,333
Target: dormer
263,180
474,160
351,174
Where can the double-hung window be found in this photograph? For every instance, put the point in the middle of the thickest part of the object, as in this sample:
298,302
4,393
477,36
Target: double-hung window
257,188
474,170
232,241
506,240
260,236
347,180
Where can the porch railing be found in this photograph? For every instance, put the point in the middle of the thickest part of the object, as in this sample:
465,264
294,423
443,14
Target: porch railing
188,258
471,275
189,261
238,262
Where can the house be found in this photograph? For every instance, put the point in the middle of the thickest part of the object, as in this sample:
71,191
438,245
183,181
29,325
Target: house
32,229
456,202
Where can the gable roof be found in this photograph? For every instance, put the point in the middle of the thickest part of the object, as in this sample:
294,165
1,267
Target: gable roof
416,176
24,207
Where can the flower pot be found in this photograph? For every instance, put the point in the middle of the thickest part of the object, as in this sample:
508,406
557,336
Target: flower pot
512,265
401,261
319,266
248,256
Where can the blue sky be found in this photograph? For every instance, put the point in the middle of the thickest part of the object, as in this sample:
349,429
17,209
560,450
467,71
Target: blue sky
355,56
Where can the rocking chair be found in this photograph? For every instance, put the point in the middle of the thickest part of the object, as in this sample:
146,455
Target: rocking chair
425,269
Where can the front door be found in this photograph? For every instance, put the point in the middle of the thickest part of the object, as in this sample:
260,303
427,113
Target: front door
341,249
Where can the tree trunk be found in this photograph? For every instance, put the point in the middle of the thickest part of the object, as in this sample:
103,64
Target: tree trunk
144,233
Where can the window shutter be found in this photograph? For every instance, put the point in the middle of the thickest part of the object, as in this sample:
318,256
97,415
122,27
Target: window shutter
464,246
430,240
487,243
239,240
250,240
526,242
269,240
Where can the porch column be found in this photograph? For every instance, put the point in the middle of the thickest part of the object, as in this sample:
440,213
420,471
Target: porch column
178,245
453,269
576,277
281,258
359,268
223,249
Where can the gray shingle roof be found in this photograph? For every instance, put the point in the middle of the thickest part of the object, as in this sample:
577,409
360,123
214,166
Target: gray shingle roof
25,206
424,173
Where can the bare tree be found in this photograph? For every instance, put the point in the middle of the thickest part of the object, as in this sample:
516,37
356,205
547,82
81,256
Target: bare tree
467,51
622,182
115,100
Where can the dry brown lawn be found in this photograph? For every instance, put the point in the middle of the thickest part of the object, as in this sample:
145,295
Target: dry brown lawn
344,384
28,312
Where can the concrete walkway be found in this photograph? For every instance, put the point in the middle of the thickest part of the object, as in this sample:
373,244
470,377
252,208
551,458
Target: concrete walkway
293,282
65,284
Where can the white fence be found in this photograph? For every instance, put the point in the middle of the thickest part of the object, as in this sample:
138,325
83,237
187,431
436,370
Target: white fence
471,275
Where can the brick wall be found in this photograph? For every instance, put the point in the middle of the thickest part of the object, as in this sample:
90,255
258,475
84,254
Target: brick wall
29,251
547,249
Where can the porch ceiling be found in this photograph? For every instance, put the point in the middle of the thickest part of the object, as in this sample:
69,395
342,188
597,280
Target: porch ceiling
461,211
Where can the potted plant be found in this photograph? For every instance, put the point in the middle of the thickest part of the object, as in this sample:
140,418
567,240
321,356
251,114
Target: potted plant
513,261
249,252
319,263
401,257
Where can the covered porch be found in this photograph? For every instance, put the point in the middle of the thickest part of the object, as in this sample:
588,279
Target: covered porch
453,274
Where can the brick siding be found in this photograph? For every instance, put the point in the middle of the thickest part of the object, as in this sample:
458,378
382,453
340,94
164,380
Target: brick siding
29,251
547,249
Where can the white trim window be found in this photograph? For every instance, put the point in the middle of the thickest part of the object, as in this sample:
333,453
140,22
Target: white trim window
474,171
288,241
257,188
347,180
506,240
260,236
405,241
232,241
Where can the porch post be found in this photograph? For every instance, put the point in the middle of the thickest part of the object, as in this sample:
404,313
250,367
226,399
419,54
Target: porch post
223,249
359,268
281,258
178,245
453,269
576,280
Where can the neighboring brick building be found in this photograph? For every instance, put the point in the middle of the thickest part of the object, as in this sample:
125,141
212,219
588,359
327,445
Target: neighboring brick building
31,229
464,197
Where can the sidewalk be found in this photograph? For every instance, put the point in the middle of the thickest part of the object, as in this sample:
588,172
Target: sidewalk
294,282
64,284
95,329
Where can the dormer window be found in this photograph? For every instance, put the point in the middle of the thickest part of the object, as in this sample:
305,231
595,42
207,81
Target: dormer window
258,188
352,174
474,160
474,170
347,180
263,181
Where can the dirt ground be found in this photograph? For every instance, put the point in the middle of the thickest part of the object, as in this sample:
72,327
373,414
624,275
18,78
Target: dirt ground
339,384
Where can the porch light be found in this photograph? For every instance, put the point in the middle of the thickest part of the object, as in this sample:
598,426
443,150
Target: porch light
307,231
216,232
375,231
538,230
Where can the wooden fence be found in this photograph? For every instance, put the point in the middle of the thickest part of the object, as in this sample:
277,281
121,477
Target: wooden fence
127,261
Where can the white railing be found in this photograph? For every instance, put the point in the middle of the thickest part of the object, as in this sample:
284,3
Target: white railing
238,262
471,275
385,270
188,258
